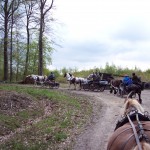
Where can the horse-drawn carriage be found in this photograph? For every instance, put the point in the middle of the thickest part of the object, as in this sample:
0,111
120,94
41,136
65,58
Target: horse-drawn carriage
95,85
42,81
98,82
51,84
94,82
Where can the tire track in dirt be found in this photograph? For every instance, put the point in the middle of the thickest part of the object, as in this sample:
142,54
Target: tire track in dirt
95,135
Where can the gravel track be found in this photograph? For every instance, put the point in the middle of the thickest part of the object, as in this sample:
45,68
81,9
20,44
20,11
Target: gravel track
108,108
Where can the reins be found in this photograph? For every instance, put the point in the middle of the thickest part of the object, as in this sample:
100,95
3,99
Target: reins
141,130
135,132
138,137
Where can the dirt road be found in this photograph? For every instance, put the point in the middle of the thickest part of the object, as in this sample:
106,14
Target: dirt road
107,110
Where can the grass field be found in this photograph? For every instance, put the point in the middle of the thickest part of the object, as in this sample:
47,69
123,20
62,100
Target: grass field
39,119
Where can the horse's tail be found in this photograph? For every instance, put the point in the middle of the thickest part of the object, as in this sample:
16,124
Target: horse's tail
112,84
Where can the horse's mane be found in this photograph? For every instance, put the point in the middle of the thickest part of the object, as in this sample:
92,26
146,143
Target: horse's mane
144,145
132,103
70,74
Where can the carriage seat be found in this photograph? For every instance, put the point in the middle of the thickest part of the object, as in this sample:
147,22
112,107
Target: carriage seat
125,120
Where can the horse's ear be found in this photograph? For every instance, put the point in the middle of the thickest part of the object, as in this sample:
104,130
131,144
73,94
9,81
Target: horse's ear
126,107
125,100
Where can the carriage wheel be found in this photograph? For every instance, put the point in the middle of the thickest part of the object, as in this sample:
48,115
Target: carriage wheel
86,87
102,88
57,86
92,87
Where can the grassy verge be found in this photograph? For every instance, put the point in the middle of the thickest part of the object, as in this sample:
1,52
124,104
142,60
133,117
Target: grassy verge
67,114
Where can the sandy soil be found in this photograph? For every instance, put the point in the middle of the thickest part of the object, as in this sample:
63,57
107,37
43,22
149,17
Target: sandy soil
108,108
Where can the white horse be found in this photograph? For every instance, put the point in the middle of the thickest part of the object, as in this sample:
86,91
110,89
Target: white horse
74,80
38,79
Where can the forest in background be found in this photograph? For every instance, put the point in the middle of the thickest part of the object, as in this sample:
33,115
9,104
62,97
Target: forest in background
27,39
117,72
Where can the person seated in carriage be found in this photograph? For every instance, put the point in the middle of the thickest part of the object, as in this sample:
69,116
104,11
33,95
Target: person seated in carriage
96,77
51,77
127,81
136,80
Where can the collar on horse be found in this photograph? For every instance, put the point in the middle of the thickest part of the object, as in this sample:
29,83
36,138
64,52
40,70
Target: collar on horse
132,115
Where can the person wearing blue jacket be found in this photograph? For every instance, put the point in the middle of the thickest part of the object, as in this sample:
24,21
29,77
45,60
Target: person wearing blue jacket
127,80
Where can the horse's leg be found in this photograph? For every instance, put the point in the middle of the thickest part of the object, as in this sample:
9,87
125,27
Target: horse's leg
111,90
35,83
69,85
140,100
115,91
79,85
74,86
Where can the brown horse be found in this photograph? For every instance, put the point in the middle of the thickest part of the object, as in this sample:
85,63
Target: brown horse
114,86
132,132
131,90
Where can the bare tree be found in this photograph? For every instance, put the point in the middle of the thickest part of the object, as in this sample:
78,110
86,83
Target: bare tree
45,7
6,14
29,19
13,19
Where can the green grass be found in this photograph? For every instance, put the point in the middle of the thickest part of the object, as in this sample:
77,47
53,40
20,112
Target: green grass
38,92
68,113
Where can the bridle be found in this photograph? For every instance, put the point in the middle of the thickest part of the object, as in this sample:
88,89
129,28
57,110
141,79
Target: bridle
134,115
141,135
135,132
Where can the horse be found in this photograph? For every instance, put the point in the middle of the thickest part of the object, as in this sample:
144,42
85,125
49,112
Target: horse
40,79
74,80
133,89
132,132
115,86
35,79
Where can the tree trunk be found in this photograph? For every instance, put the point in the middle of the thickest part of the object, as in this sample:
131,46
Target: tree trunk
40,68
11,45
5,47
28,48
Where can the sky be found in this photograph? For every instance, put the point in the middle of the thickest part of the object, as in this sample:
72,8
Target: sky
95,32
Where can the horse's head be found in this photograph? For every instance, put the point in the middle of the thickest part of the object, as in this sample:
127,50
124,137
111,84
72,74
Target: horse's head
68,76
132,104
90,76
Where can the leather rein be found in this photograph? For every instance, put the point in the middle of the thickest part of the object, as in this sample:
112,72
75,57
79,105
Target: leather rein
141,135
134,115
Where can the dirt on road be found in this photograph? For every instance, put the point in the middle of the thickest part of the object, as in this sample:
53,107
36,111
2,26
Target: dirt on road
108,108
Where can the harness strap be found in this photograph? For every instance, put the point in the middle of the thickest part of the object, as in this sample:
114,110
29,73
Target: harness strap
135,133
142,135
